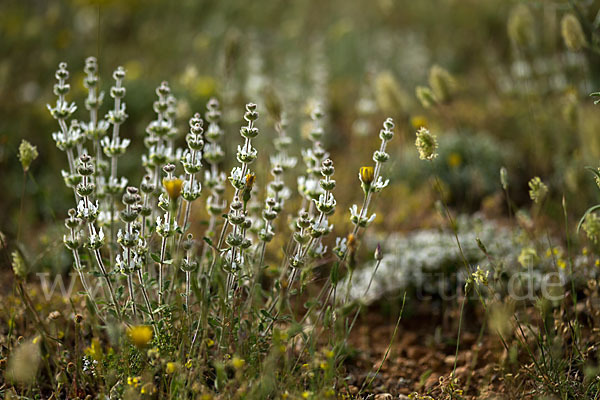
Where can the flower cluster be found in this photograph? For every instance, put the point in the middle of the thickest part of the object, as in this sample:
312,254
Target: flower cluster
537,189
137,234
242,179
214,179
308,185
371,179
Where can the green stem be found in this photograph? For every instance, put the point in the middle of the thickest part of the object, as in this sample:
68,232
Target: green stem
21,206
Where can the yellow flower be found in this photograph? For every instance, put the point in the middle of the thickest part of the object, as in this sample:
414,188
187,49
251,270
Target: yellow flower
366,175
561,264
351,242
188,363
95,350
237,362
306,394
209,342
250,178
148,388
528,257
173,187
140,335
418,121
454,160
133,381
171,367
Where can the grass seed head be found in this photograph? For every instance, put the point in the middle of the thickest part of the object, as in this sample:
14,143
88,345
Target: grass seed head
27,154
426,144
572,33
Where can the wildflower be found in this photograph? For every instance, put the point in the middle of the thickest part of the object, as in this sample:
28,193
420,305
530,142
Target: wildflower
148,388
351,242
442,83
528,257
247,190
173,187
426,144
562,264
18,265
237,362
366,175
188,363
572,33
480,276
171,368
153,353
140,335
352,247
95,349
250,178
591,226
538,189
419,121
27,153
134,381
357,219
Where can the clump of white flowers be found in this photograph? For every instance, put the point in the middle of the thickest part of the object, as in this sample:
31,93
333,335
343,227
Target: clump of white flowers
138,234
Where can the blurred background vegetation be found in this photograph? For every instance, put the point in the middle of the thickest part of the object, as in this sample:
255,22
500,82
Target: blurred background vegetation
519,96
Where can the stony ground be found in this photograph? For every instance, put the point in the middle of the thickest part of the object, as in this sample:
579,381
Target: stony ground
422,353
